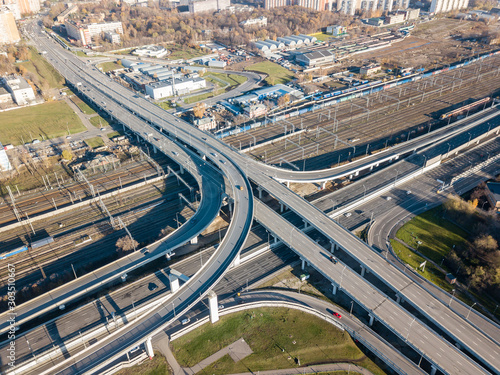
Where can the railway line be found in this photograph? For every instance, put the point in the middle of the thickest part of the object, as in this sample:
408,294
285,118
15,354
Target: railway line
32,204
355,125
91,222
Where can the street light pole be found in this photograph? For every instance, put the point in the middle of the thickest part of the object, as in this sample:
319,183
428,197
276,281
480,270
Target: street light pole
470,309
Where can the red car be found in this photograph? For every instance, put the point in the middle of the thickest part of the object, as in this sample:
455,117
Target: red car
337,315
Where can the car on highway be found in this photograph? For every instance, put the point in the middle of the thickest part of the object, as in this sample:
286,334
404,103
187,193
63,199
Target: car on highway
347,214
175,153
337,315
185,321
103,129
388,198
333,260
213,154
408,192
152,287
68,137
222,161
221,307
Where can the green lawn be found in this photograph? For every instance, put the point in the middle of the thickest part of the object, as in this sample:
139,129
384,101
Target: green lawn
114,134
108,66
232,80
41,68
94,142
157,366
184,52
98,121
267,331
276,73
436,234
431,273
322,36
197,98
84,107
165,105
44,121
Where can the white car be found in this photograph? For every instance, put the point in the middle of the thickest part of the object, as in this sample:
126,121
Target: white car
221,307
347,214
408,192
185,321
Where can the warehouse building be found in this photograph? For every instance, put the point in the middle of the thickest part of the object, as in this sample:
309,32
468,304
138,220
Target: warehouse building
315,58
21,91
177,86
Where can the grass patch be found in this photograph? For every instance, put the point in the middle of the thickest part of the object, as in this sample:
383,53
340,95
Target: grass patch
197,98
44,121
431,273
436,234
165,105
322,36
94,142
184,52
109,66
98,121
43,70
276,73
116,133
267,331
84,107
157,366
80,53
231,80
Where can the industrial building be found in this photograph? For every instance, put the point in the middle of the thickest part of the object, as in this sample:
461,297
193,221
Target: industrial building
255,110
21,91
112,37
493,195
260,21
151,51
205,123
8,29
315,58
4,160
368,70
441,6
336,30
177,86
70,9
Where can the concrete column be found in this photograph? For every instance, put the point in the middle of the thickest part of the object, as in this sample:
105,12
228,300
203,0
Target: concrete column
154,149
275,239
334,288
363,270
182,169
459,347
213,306
149,348
323,185
303,263
204,157
259,189
288,184
138,137
237,260
306,224
281,207
174,283
333,247
372,318
398,298
357,173
433,370
371,168
194,240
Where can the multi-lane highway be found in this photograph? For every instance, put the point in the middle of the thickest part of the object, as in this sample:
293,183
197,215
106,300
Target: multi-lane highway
222,156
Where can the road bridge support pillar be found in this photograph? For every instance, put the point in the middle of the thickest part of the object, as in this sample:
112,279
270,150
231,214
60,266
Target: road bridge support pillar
174,283
334,288
213,305
154,149
333,247
194,240
433,370
259,189
282,207
323,185
237,260
372,319
288,184
306,224
304,263
275,239
149,348
182,169
398,298
363,270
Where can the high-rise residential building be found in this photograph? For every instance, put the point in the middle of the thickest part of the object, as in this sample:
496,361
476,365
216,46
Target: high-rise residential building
351,6
29,6
310,4
441,6
197,6
8,28
13,6
85,32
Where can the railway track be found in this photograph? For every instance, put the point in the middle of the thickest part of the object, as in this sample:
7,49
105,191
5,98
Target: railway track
354,124
58,257
43,201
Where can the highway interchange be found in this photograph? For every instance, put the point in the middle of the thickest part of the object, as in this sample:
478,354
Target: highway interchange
235,167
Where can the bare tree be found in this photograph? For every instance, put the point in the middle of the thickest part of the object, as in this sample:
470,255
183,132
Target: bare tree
125,244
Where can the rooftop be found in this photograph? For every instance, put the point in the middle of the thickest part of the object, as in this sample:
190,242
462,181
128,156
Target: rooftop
494,187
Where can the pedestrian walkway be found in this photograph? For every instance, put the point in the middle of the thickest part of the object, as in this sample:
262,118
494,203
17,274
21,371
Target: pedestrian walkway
350,368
